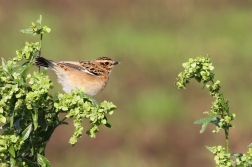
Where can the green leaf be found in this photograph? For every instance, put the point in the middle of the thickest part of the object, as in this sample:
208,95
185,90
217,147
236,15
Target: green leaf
23,69
3,149
203,128
12,150
41,149
33,24
215,121
45,29
26,132
2,119
205,122
3,63
12,162
43,161
48,30
108,125
250,145
209,148
92,100
237,155
12,120
39,21
35,119
27,31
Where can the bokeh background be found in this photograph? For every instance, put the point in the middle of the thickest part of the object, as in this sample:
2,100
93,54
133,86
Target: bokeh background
153,123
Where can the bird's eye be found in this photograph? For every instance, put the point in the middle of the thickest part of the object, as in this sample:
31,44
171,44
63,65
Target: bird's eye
106,63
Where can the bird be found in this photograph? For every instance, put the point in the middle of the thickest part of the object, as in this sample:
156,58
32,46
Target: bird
91,75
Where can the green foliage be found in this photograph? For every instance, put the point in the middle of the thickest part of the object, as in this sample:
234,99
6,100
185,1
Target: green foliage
222,159
29,114
201,69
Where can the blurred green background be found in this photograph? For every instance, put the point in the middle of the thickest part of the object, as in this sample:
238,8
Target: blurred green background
153,124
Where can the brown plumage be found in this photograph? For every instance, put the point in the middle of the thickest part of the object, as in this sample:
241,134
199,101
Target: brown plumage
91,75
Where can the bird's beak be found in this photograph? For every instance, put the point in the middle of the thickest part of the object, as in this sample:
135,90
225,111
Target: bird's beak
116,62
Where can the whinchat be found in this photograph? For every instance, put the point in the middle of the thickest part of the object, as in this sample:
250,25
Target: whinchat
91,75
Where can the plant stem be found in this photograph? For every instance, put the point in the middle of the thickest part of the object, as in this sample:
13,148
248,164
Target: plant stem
41,35
227,140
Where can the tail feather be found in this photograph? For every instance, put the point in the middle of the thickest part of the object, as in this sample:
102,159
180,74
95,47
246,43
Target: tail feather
41,61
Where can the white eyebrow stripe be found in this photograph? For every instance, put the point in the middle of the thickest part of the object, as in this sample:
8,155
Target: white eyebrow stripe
86,71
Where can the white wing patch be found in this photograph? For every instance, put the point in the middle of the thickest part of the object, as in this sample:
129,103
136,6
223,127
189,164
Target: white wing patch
86,71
